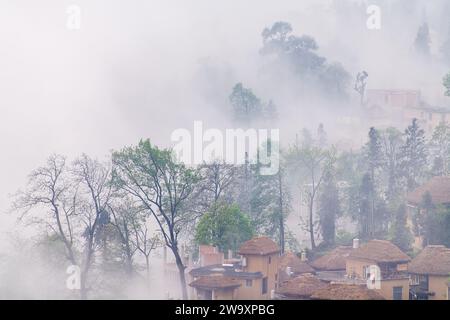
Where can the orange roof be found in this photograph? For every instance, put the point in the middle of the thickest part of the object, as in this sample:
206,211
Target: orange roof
301,287
433,260
380,251
333,260
438,187
259,246
289,259
341,291
215,281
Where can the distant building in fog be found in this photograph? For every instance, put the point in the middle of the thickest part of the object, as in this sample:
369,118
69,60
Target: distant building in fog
399,107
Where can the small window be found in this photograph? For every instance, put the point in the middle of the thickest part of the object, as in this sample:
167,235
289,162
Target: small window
248,283
264,285
397,293
276,276
270,260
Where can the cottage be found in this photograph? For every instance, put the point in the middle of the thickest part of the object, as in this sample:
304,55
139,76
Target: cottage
333,260
254,276
439,189
291,266
391,262
430,274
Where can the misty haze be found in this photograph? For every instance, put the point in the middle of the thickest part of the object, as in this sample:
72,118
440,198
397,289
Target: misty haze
225,150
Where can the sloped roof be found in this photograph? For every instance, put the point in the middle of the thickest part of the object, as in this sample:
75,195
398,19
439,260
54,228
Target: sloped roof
333,260
438,187
340,291
215,281
232,271
259,246
433,260
302,286
289,259
380,251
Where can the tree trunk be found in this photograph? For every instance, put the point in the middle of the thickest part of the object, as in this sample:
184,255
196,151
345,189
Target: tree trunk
281,217
311,223
83,289
181,271
147,267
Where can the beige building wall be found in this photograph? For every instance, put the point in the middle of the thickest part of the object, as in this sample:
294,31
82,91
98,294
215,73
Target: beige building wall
387,288
252,292
268,266
224,294
438,285
355,268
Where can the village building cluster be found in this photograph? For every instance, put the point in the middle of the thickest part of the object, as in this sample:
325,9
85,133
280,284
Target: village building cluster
374,270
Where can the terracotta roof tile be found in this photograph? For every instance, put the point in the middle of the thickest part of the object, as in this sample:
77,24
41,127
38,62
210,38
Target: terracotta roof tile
340,291
380,251
298,266
301,287
433,260
333,260
259,246
216,281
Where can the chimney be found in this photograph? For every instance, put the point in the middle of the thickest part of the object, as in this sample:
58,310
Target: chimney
303,256
355,243
289,271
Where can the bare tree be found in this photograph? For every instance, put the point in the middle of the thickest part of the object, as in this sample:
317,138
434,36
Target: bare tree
312,163
74,200
50,189
94,188
124,217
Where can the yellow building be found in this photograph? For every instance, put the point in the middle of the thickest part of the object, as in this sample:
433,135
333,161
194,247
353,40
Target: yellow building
430,273
254,277
389,260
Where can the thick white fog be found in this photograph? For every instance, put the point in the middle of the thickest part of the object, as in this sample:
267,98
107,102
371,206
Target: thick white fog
141,69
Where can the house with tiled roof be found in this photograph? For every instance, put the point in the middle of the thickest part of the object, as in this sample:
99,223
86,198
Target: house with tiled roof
439,190
253,277
383,264
333,260
291,266
430,274
300,288
344,291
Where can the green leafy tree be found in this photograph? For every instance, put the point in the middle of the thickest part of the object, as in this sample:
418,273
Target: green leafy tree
375,161
224,226
428,223
364,209
446,83
246,106
414,155
440,150
329,208
423,40
400,233
299,55
165,189
392,142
